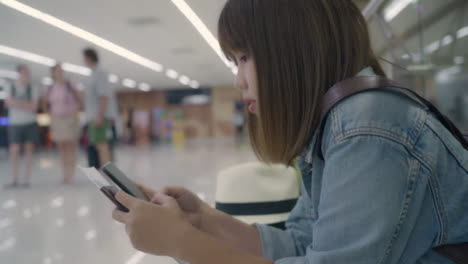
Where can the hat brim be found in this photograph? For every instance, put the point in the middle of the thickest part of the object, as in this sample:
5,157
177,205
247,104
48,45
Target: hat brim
263,219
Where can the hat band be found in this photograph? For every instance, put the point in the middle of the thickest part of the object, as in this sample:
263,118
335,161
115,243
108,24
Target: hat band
260,208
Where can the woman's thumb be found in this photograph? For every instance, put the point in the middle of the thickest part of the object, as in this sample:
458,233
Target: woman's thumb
162,199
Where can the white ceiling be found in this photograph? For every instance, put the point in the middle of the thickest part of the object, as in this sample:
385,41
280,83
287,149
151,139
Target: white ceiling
172,42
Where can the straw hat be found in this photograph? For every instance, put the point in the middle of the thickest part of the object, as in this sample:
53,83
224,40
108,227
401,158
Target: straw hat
255,192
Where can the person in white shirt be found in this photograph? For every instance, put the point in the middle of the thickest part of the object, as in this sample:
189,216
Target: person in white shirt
100,106
22,103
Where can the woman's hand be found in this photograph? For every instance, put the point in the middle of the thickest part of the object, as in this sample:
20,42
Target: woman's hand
149,192
209,220
157,229
193,207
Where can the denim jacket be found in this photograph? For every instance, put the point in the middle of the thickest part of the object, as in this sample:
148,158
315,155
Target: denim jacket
392,185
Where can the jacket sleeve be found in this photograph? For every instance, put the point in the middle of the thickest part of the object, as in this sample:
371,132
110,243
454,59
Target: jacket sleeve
369,202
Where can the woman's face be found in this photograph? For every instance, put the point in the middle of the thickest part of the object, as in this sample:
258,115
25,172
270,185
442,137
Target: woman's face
246,80
58,74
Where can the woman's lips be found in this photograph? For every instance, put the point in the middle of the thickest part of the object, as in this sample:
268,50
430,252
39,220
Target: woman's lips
251,106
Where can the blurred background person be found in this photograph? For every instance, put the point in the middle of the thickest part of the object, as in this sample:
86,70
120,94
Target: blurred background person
100,107
63,103
22,103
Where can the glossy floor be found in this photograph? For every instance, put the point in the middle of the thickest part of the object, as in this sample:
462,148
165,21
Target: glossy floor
52,223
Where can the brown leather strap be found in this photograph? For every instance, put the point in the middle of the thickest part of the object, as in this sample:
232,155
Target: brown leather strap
349,87
456,253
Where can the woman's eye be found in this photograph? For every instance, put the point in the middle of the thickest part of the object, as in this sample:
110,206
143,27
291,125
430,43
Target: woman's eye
244,59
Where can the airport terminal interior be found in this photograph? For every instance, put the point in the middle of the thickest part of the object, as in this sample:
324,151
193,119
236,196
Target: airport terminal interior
178,120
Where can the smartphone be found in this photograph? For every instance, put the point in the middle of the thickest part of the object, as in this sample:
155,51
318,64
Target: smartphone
106,187
122,181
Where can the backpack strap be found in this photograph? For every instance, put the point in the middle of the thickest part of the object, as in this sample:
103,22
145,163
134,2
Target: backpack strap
13,90
456,253
29,92
49,91
347,88
72,91
75,94
46,98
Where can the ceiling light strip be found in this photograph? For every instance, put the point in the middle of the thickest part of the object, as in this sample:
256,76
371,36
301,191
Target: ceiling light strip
76,69
202,29
46,61
83,34
27,56
68,67
8,74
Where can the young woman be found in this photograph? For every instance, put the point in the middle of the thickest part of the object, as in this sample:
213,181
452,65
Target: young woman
63,102
386,182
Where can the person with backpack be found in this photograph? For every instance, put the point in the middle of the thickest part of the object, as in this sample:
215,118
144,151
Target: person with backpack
22,103
63,103
384,174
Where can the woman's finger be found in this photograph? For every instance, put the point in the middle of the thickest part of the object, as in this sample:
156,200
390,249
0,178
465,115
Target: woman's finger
148,192
120,216
126,200
164,200
174,191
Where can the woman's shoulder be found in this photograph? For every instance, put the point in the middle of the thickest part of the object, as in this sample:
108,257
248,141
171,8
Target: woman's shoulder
377,113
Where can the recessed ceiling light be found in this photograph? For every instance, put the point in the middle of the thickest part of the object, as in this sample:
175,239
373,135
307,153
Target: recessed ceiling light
184,80
194,84
83,34
129,83
113,78
447,40
172,74
144,87
76,69
462,32
431,48
46,81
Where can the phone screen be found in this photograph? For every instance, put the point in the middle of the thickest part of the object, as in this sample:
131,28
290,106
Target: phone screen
122,181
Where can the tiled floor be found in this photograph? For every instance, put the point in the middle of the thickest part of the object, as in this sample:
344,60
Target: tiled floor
51,223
